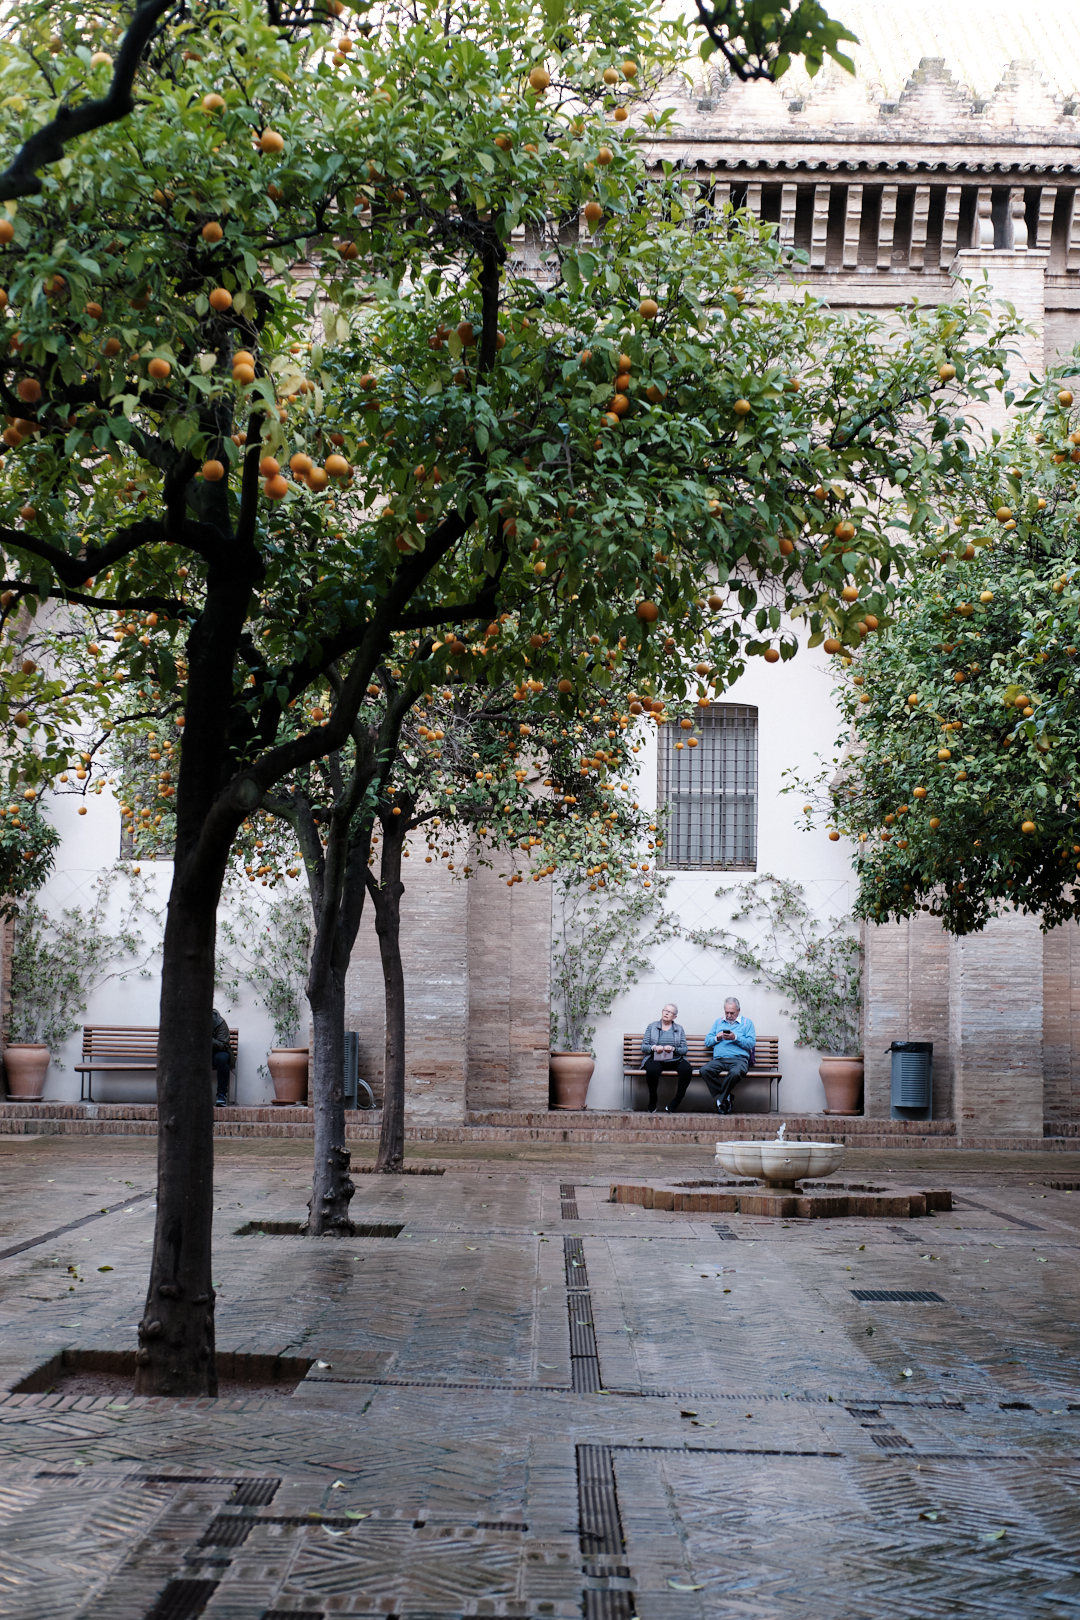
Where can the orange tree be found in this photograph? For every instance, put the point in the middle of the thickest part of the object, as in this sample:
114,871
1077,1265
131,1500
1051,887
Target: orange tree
959,778
644,443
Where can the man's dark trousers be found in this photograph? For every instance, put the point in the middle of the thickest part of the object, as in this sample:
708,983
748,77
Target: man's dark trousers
655,1067
222,1064
721,1074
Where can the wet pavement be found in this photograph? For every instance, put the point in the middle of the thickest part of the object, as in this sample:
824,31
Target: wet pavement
533,1402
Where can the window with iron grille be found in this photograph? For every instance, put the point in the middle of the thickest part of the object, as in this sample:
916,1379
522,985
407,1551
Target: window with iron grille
711,790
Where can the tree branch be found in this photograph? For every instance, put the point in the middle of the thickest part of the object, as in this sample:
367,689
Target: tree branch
47,144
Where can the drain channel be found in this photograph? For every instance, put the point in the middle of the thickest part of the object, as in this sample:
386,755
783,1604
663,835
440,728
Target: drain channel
601,1536
584,1361
568,1194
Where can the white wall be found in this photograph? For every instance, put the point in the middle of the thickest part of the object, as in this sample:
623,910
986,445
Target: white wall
91,845
796,720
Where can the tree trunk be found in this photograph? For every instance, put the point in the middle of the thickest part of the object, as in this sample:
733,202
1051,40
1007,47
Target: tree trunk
337,888
176,1334
331,1184
387,897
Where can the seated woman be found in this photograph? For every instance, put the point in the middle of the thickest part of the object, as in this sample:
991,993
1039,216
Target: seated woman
663,1048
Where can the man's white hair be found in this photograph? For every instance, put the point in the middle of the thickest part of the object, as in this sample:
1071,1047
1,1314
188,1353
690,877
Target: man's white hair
733,1001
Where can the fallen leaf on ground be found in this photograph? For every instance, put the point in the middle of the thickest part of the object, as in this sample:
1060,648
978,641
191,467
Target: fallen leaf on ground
683,1586
992,1535
104,1268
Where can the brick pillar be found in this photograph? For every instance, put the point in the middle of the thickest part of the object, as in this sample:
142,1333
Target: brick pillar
1018,275
906,990
996,1024
434,930
509,964
1061,1022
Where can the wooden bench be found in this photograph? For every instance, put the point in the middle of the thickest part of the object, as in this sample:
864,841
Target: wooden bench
758,1092
129,1049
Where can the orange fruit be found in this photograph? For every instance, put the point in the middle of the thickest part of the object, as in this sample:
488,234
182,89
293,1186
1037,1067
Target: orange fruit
213,471
621,115
276,488
1065,399
845,531
566,686
503,142
212,103
593,212
539,78
611,76
831,644
741,407
629,69
212,231
647,612
244,375
220,299
300,465
94,311
648,309
318,478
620,405
7,230
271,141
946,372
29,390
268,467
605,156
850,593
337,466
159,369
771,655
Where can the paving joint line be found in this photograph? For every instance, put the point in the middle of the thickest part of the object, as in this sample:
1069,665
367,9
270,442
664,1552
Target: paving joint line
58,1231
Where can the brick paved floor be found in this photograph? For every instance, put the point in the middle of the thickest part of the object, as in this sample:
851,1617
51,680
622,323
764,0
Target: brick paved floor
537,1403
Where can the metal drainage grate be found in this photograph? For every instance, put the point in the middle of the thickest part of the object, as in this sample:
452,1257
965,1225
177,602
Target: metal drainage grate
899,1296
227,1530
568,1195
1063,1186
182,1600
725,1233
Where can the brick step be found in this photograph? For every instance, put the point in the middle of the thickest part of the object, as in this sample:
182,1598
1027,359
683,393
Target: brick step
586,1126
740,1127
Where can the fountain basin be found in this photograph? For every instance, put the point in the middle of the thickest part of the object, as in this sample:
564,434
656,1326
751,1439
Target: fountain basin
780,1164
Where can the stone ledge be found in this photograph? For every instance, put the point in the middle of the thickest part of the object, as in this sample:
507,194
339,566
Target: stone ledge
889,1204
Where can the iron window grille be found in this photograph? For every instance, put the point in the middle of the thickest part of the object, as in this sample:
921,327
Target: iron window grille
711,790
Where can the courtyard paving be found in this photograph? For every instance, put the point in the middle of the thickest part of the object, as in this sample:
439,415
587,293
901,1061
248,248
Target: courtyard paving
532,1402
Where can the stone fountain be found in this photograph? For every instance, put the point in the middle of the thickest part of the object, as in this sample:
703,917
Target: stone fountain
780,1164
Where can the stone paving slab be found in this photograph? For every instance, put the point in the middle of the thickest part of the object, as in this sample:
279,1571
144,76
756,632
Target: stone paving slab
540,1403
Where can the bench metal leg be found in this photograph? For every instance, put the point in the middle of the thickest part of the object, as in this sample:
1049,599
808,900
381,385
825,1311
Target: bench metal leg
86,1086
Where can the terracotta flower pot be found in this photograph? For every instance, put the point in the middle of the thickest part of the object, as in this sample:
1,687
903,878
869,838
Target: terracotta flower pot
288,1067
842,1078
25,1065
570,1076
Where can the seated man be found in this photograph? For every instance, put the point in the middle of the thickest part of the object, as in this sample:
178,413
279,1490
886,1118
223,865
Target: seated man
663,1046
731,1041
221,1056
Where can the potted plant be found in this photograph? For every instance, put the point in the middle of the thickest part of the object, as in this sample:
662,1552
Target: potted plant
818,967
270,946
55,963
601,945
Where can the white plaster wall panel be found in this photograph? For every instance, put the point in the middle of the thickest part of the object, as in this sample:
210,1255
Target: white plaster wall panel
90,847
797,720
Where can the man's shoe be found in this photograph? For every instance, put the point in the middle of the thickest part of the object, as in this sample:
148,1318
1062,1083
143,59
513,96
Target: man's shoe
652,1109
670,1110
726,1106
221,1102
